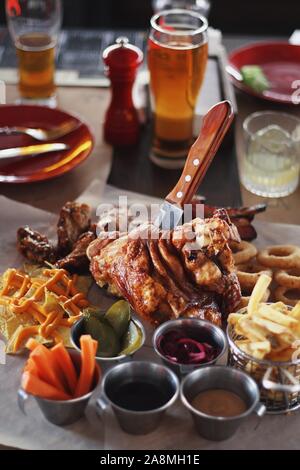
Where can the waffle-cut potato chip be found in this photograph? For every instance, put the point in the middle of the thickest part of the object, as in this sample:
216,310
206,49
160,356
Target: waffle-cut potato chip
5,312
14,322
33,270
63,332
51,303
41,303
10,346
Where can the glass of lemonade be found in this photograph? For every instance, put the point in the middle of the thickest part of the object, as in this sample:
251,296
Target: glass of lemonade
177,58
34,26
271,162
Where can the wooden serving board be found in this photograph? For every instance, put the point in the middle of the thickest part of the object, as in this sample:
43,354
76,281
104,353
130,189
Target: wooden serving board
133,170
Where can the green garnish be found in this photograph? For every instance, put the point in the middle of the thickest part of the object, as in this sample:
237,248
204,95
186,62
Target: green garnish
254,77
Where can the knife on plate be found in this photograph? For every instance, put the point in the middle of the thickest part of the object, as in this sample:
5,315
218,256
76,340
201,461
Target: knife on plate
215,124
31,150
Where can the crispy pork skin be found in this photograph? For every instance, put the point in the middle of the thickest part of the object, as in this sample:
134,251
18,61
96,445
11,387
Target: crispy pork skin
185,272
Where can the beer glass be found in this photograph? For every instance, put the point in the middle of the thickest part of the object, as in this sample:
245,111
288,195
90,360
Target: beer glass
34,26
201,6
177,58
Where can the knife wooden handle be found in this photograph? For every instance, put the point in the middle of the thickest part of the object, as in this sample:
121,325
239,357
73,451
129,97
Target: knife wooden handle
214,127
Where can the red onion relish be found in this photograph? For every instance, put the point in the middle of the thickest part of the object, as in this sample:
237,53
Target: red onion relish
181,349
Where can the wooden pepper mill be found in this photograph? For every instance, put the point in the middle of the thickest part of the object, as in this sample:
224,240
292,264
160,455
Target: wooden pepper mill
121,127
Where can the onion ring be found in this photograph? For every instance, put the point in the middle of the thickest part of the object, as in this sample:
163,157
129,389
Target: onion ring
242,252
281,294
289,278
280,257
248,274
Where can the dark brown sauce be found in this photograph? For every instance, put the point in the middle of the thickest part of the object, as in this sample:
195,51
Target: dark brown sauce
219,402
139,396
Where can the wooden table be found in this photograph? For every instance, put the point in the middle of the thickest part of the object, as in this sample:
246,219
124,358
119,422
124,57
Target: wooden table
90,104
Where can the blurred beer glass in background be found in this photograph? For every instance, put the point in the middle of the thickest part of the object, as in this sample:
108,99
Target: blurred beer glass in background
34,26
177,58
201,6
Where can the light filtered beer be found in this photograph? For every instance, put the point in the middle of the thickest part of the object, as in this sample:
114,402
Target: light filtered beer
36,54
177,72
177,58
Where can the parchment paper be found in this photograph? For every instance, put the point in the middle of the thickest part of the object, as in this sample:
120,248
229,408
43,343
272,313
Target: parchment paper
102,432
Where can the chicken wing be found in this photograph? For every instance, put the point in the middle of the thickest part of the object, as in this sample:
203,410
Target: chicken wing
74,219
74,232
77,261
35,246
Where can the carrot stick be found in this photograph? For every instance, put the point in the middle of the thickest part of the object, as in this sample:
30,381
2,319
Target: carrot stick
64,361
32,384
32,344
48,370
30,366
87,366
95,343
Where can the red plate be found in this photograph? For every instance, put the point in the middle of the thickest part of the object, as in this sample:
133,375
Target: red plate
280,62
42,167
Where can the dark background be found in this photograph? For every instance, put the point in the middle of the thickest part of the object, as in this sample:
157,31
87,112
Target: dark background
270,17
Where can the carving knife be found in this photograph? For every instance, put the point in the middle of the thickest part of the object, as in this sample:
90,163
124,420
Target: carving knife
215,124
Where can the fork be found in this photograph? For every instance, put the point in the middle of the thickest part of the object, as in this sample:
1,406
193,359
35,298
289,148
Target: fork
43,135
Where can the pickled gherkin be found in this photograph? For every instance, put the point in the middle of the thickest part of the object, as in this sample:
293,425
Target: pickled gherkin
132,339
117,334
118,316
100,330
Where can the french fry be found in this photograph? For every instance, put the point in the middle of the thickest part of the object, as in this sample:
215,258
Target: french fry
261,346
234,318
255,352
284,341
242,342
270,325
269,313
280,306
255,345
268,330
247,328
295,312
282,355
258,293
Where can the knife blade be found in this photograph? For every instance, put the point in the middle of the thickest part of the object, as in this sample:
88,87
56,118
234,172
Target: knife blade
214,127
31,150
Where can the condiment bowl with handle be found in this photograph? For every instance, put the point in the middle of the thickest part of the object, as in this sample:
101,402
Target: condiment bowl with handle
78,330
138,421
200,330
63,412
218,428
